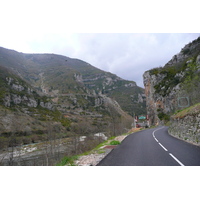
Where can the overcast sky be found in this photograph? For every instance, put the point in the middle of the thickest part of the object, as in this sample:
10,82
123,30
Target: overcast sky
51,26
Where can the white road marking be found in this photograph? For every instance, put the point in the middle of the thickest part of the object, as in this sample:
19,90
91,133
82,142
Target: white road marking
178,161
162,146
154,133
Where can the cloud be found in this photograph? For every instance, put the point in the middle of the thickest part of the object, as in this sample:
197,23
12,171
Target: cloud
127,55
49,26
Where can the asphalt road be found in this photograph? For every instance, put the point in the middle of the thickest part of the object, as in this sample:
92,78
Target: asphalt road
153,147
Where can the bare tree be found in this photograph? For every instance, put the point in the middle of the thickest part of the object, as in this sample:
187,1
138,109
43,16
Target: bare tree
115,119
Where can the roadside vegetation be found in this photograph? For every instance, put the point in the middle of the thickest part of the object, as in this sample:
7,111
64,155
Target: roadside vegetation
70,160
195,109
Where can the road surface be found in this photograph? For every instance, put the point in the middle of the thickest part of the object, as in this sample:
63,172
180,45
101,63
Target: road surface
153,147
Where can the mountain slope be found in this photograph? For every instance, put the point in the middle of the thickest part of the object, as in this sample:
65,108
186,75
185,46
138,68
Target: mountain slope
24,115
174,86
53,74
47,95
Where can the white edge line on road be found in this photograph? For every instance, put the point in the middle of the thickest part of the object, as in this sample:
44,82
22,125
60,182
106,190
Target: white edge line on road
157,140
154,132
162,146
179,162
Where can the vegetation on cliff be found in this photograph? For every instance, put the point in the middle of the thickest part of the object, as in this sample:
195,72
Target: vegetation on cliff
187,74
174,86
192,110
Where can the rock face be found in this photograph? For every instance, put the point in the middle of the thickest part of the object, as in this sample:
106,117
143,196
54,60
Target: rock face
174,86
10,99
157,103
149,82
18,92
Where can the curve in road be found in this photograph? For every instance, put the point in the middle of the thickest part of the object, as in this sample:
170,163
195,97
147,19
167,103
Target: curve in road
153,147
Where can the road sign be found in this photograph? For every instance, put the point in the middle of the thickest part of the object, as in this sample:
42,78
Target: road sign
142,117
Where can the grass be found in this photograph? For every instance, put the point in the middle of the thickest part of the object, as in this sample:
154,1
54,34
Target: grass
68,160
115,142
195,109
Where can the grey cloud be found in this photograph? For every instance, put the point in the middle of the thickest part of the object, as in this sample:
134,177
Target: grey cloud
129,55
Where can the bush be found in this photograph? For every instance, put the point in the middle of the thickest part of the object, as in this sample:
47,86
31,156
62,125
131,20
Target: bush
114,142
26,140
163,116
68,161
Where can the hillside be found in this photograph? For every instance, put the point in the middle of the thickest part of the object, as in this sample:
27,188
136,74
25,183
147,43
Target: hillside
24,115
174,86
55,75
48,97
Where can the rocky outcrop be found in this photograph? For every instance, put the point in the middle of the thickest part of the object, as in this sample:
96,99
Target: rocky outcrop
130,85
157,104
78,77
47,105
15,99
98,101
19,93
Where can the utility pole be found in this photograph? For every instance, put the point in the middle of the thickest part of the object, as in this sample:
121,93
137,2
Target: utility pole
134,121
147,118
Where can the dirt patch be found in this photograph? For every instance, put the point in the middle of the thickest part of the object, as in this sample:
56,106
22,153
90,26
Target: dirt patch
109,146
92,159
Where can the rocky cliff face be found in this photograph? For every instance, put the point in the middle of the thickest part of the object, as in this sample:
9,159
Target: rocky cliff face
174,86
16,92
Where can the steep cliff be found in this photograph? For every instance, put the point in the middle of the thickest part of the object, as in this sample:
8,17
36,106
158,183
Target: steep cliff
174,86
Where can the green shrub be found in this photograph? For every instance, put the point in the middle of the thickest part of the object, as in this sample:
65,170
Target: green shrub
68,160
163,116
114,142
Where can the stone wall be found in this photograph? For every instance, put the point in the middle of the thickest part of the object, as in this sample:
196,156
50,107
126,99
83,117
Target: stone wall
186,128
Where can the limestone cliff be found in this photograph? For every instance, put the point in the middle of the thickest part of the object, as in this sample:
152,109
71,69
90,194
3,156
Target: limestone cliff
174,86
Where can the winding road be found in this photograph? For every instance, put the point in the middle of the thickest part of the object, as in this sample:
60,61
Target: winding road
153,147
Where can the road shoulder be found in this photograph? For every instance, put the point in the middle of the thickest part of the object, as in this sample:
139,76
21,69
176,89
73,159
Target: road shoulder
97,154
